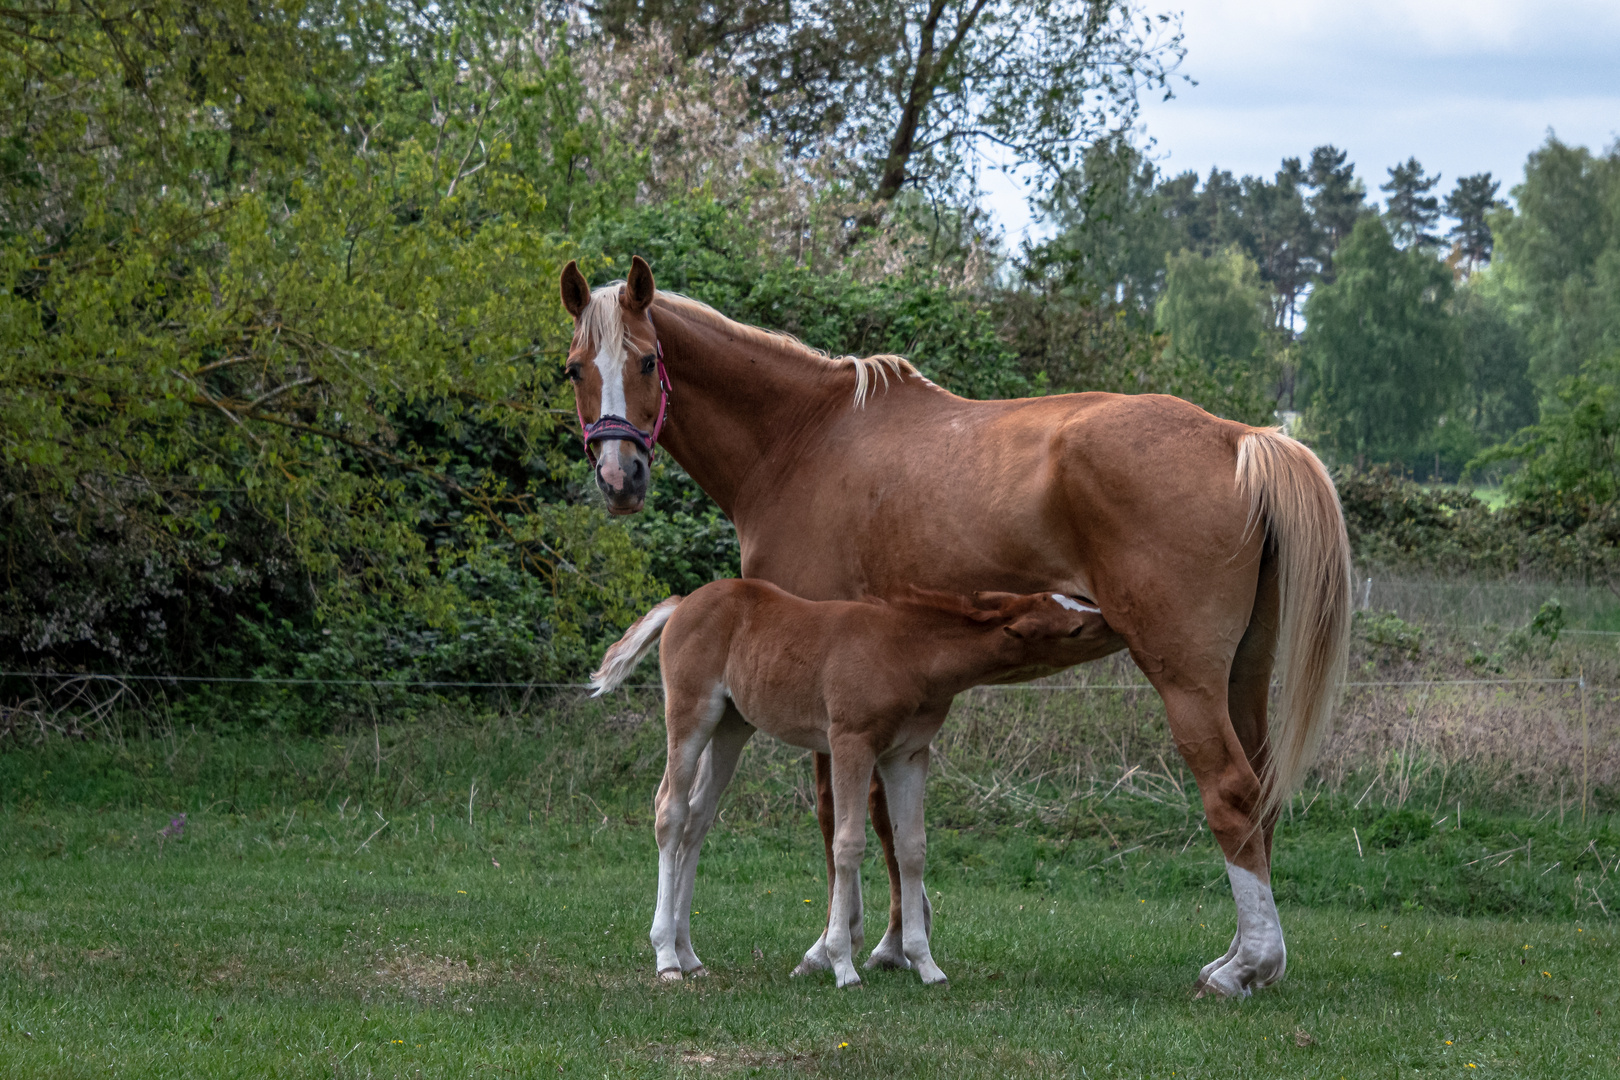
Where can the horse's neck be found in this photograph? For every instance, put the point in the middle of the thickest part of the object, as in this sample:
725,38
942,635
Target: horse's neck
734,403
960,653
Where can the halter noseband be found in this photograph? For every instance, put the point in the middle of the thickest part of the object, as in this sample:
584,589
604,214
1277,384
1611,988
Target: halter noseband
609,426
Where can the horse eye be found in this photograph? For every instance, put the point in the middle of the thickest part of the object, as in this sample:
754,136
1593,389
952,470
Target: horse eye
573,373
649,363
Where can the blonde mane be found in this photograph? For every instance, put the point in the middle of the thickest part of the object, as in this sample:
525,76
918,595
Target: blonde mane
602,323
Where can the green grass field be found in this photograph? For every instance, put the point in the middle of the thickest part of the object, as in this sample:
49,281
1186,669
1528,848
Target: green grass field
291,932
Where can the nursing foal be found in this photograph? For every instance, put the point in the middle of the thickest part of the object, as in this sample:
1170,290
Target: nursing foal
868,682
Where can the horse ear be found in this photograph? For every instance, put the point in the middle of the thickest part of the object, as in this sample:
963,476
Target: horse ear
639,288
576,291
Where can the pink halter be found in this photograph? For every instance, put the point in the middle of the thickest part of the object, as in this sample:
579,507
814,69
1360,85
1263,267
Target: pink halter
617,427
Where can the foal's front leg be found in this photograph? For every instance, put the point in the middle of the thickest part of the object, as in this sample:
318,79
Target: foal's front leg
852,774
815,958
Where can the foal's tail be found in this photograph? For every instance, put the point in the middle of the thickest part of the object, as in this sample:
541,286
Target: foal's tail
1292,494
623,655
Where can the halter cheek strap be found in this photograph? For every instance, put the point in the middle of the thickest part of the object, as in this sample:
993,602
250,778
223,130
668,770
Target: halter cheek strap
609,426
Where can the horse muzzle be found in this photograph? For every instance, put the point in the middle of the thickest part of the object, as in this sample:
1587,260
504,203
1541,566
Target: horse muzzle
621,474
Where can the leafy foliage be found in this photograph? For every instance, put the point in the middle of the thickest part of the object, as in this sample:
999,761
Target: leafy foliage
1380,347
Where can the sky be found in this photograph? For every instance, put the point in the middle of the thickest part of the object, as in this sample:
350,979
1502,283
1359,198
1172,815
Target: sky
1466,86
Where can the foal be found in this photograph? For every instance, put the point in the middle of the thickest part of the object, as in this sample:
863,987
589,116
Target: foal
867,682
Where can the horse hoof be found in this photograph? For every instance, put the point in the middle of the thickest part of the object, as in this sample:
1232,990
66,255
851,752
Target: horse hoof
886,960
670,975
810,965
699,972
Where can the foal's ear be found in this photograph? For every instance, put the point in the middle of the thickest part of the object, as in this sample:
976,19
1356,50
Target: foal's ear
638,287
989,606
576,291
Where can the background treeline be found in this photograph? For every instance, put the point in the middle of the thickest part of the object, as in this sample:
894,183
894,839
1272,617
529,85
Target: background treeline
280,341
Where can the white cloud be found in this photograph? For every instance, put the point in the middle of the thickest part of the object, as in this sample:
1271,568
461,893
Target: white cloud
1466,86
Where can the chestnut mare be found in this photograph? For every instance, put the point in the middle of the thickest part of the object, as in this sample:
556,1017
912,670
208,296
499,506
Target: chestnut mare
868,683
1214,549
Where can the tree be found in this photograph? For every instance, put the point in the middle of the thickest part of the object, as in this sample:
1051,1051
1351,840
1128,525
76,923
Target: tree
1500,398
1338,200
1380,347
1560,254
1410,209
1469,203
1281,237
1114,225
1217,314
1338,197
919,86
279,343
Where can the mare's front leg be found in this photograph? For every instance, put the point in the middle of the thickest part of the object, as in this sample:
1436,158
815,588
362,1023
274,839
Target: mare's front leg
715,770
852,774
906,778
691,720
815,958
891,950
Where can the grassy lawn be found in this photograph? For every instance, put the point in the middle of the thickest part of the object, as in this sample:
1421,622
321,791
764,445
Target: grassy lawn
283,934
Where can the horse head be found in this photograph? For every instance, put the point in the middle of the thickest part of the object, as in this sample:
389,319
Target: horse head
620,389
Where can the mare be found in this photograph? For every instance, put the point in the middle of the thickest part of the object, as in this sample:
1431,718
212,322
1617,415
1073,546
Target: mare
867,683
1215,550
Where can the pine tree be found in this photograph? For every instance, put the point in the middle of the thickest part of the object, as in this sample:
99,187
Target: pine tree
1411,210
1338,199
1469,202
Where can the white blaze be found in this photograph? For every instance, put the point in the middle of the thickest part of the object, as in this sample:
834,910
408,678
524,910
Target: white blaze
1074,605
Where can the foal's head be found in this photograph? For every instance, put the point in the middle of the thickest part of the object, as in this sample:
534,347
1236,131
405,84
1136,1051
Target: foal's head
1038,617
614,363
1027,621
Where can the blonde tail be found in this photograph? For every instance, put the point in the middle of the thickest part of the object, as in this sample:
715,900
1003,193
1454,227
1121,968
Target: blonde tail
623,655
1291,494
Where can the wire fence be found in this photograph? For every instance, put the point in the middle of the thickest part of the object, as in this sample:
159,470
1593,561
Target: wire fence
406,684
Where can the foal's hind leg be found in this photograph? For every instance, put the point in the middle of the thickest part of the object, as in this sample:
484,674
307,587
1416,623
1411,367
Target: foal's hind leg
691,719
715,769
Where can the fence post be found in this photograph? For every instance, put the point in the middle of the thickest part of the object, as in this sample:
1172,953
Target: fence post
1586,746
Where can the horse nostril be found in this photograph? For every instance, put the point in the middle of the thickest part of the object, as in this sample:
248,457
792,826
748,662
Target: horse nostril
636,475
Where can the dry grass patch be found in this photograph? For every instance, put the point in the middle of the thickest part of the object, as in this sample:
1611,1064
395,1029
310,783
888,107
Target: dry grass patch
731,1058
423,976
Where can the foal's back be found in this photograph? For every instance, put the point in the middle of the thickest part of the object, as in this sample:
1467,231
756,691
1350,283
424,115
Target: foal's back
788,663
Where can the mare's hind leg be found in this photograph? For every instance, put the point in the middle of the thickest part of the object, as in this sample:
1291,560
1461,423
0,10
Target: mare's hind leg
1231,793
691,719
1205,646
1241,969
715,769
815,958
